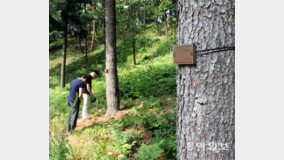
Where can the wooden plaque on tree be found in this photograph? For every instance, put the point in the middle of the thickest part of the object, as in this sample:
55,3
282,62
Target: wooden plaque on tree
184,54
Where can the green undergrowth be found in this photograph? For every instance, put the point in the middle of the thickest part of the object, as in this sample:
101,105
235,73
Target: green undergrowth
147,91
147,131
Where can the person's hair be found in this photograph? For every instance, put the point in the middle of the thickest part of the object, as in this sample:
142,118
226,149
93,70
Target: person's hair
85,77
97,72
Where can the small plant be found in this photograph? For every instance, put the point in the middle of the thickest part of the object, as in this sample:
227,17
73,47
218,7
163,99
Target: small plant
149,152
121,143
126,122
152,102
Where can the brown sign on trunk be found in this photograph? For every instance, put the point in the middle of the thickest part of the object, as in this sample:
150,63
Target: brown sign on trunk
184,54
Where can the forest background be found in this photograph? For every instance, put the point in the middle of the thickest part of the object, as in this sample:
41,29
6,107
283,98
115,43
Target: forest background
145,126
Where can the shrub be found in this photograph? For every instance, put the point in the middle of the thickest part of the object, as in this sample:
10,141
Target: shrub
149,152
121,142
126,122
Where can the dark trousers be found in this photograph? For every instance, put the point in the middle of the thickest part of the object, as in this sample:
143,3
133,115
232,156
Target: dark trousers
73,115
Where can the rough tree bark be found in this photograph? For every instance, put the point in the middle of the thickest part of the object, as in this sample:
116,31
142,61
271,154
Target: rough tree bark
206,91
94,25
112,89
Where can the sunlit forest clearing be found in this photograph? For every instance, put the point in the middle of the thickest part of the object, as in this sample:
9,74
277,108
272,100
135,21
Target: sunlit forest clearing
144,127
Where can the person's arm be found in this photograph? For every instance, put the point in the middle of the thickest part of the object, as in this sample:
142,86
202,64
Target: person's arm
89,89
80,93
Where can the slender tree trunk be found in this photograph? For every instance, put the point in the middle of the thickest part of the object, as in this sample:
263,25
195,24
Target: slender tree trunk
166,24
86,48
157,24
104,34
112,89
170,19
133,47
94,25
86,42
64,50
206,91
79,42
144,13
104,24
133,16
96,29
124,31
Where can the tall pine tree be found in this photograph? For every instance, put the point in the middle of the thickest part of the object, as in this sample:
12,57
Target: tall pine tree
112,89
206,91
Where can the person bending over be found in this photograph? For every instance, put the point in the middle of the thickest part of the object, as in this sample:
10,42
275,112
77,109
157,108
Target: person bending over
73,102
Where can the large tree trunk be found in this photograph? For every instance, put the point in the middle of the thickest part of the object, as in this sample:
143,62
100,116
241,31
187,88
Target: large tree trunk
94,25
64,50
112,90
206,91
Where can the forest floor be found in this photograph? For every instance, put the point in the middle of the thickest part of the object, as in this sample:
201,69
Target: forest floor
79,139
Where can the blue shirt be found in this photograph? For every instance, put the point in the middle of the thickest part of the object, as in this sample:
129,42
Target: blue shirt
74,88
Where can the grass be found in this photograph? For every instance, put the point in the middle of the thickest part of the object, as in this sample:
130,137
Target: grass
146,127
